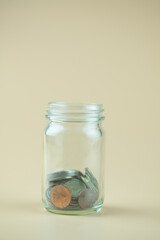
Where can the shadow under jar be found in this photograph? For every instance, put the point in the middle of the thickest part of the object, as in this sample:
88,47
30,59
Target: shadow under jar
73,171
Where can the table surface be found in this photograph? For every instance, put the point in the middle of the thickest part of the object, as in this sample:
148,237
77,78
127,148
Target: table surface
27,219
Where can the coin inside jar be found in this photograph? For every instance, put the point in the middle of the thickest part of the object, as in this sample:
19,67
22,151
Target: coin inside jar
60,196
75,186
87,198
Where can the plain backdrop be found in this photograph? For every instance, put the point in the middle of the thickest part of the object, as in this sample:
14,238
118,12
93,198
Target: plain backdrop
81,51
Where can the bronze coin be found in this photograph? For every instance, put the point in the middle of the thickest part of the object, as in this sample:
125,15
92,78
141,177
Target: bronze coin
60,196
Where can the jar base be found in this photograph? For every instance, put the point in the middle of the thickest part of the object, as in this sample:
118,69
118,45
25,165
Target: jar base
92,210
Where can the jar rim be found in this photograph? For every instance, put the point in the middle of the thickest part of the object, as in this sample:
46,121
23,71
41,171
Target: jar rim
72,111
85,105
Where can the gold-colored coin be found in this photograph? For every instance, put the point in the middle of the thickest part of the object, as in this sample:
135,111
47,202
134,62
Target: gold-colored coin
60,196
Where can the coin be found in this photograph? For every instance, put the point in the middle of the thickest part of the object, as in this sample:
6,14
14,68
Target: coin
76,183
59,182
91,177
66,174
75,186
48,191
87,198
90,180
60,196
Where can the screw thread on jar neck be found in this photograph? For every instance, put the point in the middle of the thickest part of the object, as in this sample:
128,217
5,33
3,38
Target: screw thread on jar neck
75,112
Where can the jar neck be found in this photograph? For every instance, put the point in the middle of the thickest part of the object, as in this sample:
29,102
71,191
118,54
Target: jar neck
75,112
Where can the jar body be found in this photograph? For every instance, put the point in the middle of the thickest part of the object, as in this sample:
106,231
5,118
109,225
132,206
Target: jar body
73,172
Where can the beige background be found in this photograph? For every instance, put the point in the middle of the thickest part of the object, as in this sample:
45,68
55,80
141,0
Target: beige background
81,51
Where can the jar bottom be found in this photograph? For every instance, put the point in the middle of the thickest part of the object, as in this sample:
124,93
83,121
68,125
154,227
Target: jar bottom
97,208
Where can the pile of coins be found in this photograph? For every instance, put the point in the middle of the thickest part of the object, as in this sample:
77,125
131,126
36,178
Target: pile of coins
71,189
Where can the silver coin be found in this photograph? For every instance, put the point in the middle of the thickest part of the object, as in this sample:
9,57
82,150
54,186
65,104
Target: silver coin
74,203
61,175
91,177
48,191
90,180
75,186
87,198
59,182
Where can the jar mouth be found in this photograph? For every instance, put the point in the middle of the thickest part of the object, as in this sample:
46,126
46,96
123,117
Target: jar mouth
68,111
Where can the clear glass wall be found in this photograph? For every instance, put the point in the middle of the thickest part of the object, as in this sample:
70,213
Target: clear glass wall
73,173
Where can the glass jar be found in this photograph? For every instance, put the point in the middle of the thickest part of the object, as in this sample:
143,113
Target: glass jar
73,172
